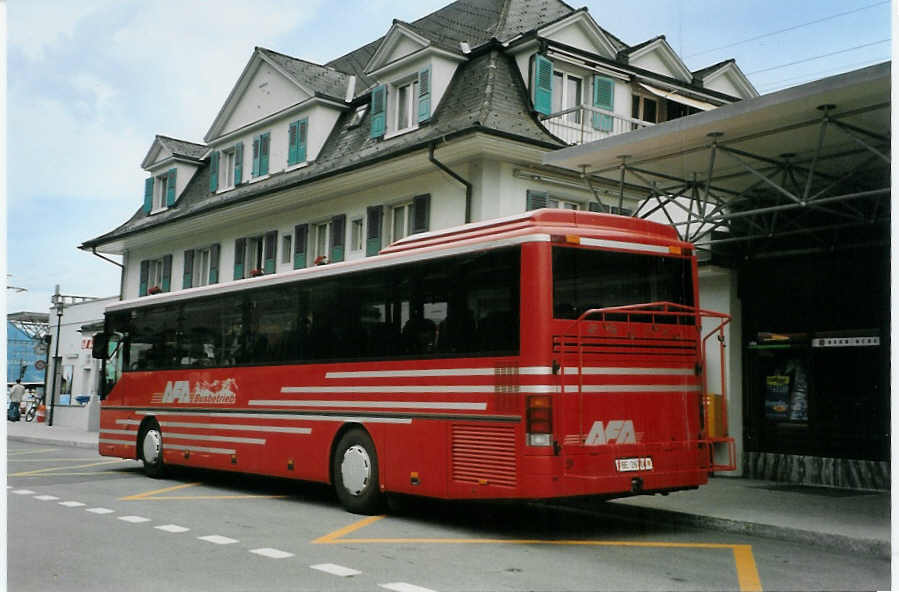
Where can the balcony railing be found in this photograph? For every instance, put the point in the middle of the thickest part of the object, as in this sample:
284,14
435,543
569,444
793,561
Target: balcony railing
586,123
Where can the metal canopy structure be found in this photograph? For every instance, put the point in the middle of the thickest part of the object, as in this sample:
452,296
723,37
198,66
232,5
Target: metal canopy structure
33,324
806,167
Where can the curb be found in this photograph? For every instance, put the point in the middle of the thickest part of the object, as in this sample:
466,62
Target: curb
831,541
40,440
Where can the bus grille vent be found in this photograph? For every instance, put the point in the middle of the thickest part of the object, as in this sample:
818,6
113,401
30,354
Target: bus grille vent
484,455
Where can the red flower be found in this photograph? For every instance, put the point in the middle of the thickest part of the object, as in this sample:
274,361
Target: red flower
321,260
256,273
154,290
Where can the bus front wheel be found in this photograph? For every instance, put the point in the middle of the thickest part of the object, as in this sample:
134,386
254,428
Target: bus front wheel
355,470
150,443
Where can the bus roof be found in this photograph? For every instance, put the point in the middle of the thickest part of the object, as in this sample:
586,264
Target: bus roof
605,230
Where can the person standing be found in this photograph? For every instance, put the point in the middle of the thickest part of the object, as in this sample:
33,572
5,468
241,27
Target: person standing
15,398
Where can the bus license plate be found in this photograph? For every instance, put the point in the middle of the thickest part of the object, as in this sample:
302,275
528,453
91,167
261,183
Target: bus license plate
643,463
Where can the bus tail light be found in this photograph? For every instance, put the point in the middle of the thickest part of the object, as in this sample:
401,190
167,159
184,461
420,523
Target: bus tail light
540,421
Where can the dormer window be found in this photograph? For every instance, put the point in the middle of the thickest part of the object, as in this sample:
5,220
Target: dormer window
401,105
159,191
405,105
567,94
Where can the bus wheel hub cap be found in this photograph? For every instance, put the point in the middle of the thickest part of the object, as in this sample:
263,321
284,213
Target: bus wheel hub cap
355,470
152,440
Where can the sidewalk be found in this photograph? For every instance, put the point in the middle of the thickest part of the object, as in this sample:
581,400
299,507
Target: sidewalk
841,520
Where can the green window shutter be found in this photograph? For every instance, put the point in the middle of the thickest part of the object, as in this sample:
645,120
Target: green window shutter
144,277
187,281
537,200
214,251
292,143
270,251
300,232
604,98
238,163
148,194
374,215
256,142
378,111
302,133
338,232
424,94
214,171
595,206
543,85
240,247
421,213
170,188
263,153
167,273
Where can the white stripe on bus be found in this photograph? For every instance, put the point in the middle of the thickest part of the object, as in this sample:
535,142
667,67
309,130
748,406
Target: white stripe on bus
200,449
120,432
111,441
406,388
235,427
374,404
613,244
290,416
633,388
500,371
413,373
127,422
613,370
211,438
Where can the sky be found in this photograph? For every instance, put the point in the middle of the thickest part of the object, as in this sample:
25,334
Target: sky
91,82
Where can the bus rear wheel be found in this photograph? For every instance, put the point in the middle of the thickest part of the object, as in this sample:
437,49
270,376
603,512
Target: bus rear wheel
150,443
355,470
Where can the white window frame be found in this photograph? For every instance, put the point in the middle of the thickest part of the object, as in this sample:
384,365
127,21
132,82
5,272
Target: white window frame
357,234
407,212
200,272
226,169
160,186
393,105
574,117
154,273
641,109
321,239
286,248
254,255
564,204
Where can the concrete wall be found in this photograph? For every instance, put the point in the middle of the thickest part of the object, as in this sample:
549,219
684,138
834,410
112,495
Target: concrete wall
718,292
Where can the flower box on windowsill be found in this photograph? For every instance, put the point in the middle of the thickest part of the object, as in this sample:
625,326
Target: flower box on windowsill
321,260
154,290
256,273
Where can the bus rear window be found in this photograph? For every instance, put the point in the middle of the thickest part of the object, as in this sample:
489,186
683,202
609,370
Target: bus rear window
584,279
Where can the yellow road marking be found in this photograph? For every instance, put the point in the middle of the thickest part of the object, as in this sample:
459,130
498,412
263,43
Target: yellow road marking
747,572
332,537
20,453
156,491
37,471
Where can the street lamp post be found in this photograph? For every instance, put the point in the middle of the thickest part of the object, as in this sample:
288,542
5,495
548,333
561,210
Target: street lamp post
58,302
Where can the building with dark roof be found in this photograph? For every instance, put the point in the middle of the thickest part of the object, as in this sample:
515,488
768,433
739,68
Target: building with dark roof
438,122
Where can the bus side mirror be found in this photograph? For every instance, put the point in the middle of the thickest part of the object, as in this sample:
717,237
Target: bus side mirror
100,350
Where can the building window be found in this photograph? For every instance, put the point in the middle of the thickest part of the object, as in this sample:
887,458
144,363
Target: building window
567,93
410,217
200,275
402,221
162,186
227,171
255,255
321,240
405,105
286,252
261,145
356,235
154,273
645,109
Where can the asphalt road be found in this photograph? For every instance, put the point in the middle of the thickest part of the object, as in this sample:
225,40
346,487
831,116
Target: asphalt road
78,521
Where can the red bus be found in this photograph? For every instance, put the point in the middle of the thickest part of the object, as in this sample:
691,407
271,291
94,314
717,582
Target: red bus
545,355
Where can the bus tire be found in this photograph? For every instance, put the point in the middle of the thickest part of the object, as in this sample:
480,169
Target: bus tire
150,443
355,470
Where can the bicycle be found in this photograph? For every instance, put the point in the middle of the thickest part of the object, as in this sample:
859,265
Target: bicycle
31,409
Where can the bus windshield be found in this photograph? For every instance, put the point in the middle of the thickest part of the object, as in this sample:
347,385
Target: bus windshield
588,278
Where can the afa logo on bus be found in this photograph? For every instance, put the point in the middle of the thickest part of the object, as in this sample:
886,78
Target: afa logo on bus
618,431
204,392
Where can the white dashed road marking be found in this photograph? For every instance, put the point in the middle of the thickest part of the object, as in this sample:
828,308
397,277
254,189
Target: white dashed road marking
133,519
217,539
45,498
337,570
100,510
71,504
273,553
23,492
172,528
404,587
